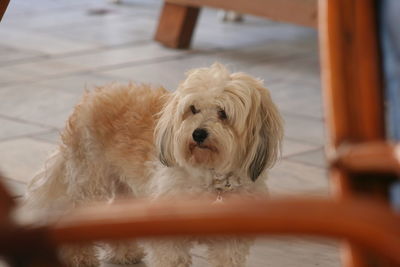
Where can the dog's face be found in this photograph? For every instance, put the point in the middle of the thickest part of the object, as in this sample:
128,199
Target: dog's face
220,121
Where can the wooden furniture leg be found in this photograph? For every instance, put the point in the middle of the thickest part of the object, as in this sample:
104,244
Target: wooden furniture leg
176,25
3,7
7,203
353,98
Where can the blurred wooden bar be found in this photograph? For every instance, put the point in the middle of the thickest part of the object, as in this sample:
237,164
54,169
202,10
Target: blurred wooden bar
350,69
365,222
3,7
178,17
379,157
7,203
369,224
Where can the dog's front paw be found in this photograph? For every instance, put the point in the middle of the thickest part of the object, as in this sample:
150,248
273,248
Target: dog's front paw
122,253
82,261
79,256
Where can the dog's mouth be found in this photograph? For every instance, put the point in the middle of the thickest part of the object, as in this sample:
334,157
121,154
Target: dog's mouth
193,146
202,154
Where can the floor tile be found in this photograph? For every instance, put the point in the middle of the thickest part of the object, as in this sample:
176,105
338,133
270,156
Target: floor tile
156,72
12,75
21,158
121,56
38,104
253,30
34,41
88,62
14,187
292,178
11,128
77,84
304,129
287,251
261,61
109,32
300,98
293,251
55,20
37,70
25,7
115,25
278,55
292,147
315,157
10,54
52,136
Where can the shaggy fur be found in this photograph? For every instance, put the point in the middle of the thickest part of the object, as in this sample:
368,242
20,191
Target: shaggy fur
140,141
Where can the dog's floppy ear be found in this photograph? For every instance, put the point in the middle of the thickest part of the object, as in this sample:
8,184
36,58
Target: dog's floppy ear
266,132
164,134
259,159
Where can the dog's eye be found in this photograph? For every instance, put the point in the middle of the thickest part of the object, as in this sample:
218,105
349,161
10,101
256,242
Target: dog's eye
194,110
222,114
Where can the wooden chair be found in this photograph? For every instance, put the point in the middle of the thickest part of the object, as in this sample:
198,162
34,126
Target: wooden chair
178,17
362,167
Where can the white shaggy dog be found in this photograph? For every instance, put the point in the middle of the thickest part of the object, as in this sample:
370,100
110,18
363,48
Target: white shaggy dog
217,132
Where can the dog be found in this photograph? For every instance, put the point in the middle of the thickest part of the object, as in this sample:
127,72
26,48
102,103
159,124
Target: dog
218,133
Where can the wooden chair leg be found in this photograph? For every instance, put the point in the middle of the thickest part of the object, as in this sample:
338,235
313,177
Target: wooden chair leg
3,7
7,203
176,25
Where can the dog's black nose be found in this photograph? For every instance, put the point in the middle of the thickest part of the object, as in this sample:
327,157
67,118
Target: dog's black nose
199,135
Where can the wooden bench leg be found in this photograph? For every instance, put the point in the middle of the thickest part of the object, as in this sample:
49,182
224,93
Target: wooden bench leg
176,25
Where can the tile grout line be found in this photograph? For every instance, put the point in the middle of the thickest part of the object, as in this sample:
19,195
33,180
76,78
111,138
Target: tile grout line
50,127
138,43
30,135
190,53
289,113
46,56
13,180
303,152
99,69
302,141
308,164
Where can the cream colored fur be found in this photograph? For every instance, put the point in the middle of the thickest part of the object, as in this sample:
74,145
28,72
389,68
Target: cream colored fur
138,141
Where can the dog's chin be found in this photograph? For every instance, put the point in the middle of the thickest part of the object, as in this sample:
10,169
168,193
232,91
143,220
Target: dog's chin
202,155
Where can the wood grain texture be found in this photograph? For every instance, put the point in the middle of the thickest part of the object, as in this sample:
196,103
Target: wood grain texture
303,12
176,25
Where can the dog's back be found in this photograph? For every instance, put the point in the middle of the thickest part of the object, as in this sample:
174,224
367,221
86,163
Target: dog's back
105,144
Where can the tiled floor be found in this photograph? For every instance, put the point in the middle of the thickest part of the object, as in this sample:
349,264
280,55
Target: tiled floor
51,50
